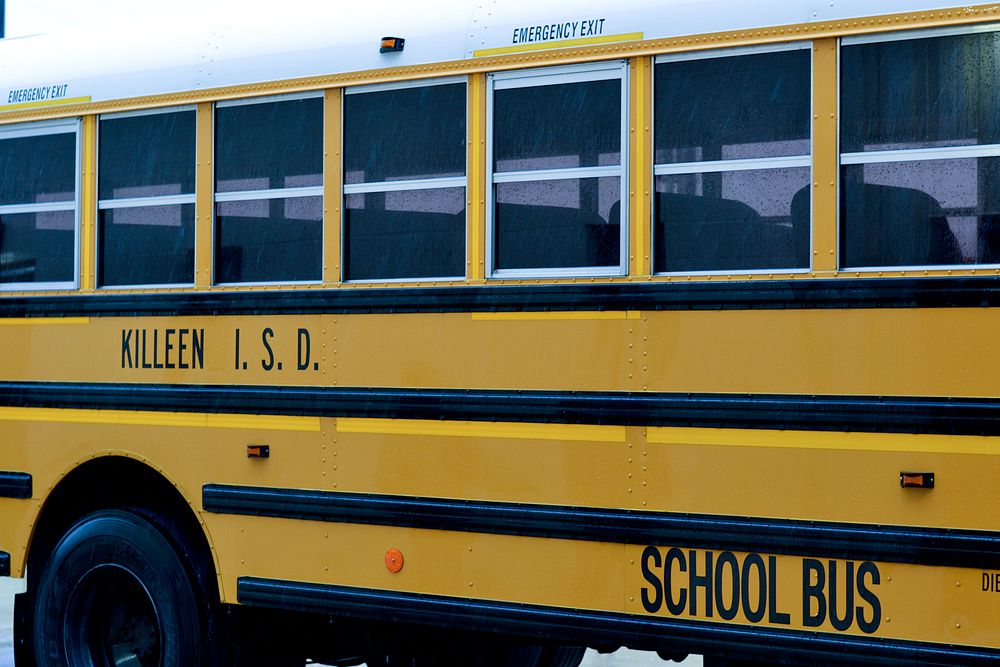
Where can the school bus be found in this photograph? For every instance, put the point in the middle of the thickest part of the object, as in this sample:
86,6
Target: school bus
484,333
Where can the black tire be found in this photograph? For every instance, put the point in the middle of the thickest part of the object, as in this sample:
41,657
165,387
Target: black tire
116,590
561,656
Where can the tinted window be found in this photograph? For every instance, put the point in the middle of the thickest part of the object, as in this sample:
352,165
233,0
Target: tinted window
37,247
408,133
147,155
730,108
38,169
269,145
554,126
921,93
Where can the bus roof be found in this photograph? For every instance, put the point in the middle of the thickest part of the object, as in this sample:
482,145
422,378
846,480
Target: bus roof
215,48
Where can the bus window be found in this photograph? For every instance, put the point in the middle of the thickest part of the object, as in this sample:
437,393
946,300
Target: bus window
920,150
146,198
732,136
269,190
404,181
38,205
558,141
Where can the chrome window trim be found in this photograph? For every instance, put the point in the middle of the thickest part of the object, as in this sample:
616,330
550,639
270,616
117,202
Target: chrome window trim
412,184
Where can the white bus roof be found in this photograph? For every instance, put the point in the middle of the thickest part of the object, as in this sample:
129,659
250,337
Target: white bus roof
303,39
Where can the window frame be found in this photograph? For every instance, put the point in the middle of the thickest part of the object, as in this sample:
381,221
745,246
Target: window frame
137,202
903,155
43,128
401,185
271,193
543,76
742,164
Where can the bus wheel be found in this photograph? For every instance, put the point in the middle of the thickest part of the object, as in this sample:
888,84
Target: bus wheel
561,656
116,591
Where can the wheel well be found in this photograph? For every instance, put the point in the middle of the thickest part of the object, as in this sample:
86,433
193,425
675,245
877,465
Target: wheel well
116,481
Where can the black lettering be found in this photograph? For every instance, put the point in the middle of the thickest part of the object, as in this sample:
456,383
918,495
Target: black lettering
136,348
726,558
127,351
811,591
986,582
600,27
156,348
696,580
237,349
996,582
869,570
267,363
513,39
773,615
181,346
304,345
576,24
754,615
838,622
651,605
522,35
168,347
198,348
674,607
145,364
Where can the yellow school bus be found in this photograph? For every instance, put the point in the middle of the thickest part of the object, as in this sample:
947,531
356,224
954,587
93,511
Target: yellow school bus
483,333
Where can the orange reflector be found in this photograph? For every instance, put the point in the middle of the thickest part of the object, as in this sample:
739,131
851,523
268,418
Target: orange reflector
394,560
258,451
916,480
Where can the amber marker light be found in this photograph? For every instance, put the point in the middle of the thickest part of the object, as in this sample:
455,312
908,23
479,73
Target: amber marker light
391,44
258,451
916,480
394,560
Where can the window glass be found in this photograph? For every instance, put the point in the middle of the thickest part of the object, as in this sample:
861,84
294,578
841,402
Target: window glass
270,233
405,234
557,223
730,221
731,108
921,93
921,213
269,240
38,169
269,145
146,245
558,120
407,133
147,155
146,241
37,247
557,126
744,121
38,199
416,229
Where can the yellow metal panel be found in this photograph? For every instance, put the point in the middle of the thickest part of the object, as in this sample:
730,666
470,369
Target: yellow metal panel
88,203
826,155
820,483
43,321
205,193
505,463
476,174
141,418
640,164
333,196
520,431
557,315
884,442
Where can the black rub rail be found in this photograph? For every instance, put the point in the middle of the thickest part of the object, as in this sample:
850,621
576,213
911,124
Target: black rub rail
929,546
804,293
765,411
574,626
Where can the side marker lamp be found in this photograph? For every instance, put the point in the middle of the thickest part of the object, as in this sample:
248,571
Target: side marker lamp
258,451
391,44
916,480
